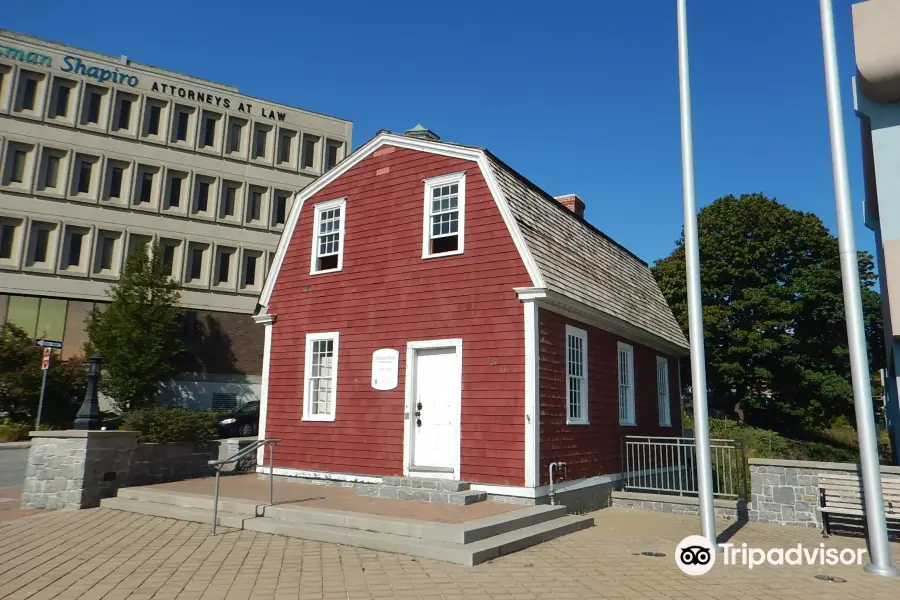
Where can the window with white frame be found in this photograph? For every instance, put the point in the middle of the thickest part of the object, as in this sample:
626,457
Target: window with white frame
576,376
626,384
320,377
445,199
328,237
662,391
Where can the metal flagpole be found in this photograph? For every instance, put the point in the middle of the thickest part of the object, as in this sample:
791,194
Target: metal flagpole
879,550
695,307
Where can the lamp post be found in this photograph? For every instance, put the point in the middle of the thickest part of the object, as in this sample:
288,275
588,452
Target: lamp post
695,304
89,414
879,550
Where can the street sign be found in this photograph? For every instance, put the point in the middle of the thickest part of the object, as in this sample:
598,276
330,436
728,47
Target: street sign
49,344
45,362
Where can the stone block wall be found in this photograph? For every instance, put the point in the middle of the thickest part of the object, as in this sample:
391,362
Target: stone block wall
76,469
679,505
787,491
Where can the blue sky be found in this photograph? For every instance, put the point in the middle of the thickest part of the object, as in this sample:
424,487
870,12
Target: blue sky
579,97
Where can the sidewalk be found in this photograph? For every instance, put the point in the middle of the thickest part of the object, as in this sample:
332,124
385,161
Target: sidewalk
99,553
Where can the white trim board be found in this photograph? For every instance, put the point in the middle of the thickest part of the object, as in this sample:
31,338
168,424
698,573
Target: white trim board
388,139
532,394
323,475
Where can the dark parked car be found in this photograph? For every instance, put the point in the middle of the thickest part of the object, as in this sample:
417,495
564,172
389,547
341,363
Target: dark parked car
243,422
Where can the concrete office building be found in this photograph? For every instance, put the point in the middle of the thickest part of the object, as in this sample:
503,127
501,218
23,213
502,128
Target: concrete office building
99,154
877,103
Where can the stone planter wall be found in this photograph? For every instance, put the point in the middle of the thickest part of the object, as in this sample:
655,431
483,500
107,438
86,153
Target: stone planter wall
76,469
787,491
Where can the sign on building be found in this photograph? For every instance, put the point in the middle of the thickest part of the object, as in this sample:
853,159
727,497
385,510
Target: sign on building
385,366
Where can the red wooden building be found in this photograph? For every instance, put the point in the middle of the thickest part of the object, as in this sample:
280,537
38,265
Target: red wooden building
430,312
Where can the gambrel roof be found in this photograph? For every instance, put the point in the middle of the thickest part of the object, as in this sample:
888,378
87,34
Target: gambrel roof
572,265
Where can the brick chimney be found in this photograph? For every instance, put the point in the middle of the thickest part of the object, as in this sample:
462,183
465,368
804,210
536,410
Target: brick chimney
573,203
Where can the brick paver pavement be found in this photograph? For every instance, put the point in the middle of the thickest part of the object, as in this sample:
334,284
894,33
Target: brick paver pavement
101,553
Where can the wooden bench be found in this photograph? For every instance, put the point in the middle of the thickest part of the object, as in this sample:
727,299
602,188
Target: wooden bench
841,494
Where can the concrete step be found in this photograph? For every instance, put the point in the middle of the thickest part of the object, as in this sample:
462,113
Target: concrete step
455,533
235,506
170,511
429,483
464,497
462,554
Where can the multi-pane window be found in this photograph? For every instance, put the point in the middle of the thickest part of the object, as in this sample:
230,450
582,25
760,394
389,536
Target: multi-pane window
444,205
327,241
576,376
662,391
626,384
320,383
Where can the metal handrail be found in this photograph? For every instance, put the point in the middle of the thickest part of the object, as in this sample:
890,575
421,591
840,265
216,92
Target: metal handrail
218,464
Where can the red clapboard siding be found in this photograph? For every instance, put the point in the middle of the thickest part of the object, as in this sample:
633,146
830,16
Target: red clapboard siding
386,295
596,449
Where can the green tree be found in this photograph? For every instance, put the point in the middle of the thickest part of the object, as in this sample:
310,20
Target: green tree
138,333
773,312
20,381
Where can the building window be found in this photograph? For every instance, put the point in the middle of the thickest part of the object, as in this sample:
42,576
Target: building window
286,146
84,177
662,391
209,131
124,114
175,192
107,251
234,137
310,143
146,187
94,102
196,258
229,200
259,147
41,244
73,258
255,204
445,199
116,179
328,240
320,377
279,211
62,100
29,93
181,129
626,384
8,235
249,276
202,194
153,119
332,149
168,258
224,266
51,171
576,376
17,170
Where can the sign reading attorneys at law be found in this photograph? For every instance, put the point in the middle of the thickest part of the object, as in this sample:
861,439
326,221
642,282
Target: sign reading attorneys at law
385,366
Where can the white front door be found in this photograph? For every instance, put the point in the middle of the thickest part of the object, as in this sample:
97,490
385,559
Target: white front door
435,410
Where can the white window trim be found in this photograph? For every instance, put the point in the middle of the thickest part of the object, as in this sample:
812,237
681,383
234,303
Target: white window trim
623,347
581,334
319,208
459,178
307,367
663,393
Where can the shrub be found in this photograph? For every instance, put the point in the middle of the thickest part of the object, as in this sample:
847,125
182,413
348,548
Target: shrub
163,424
13,432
